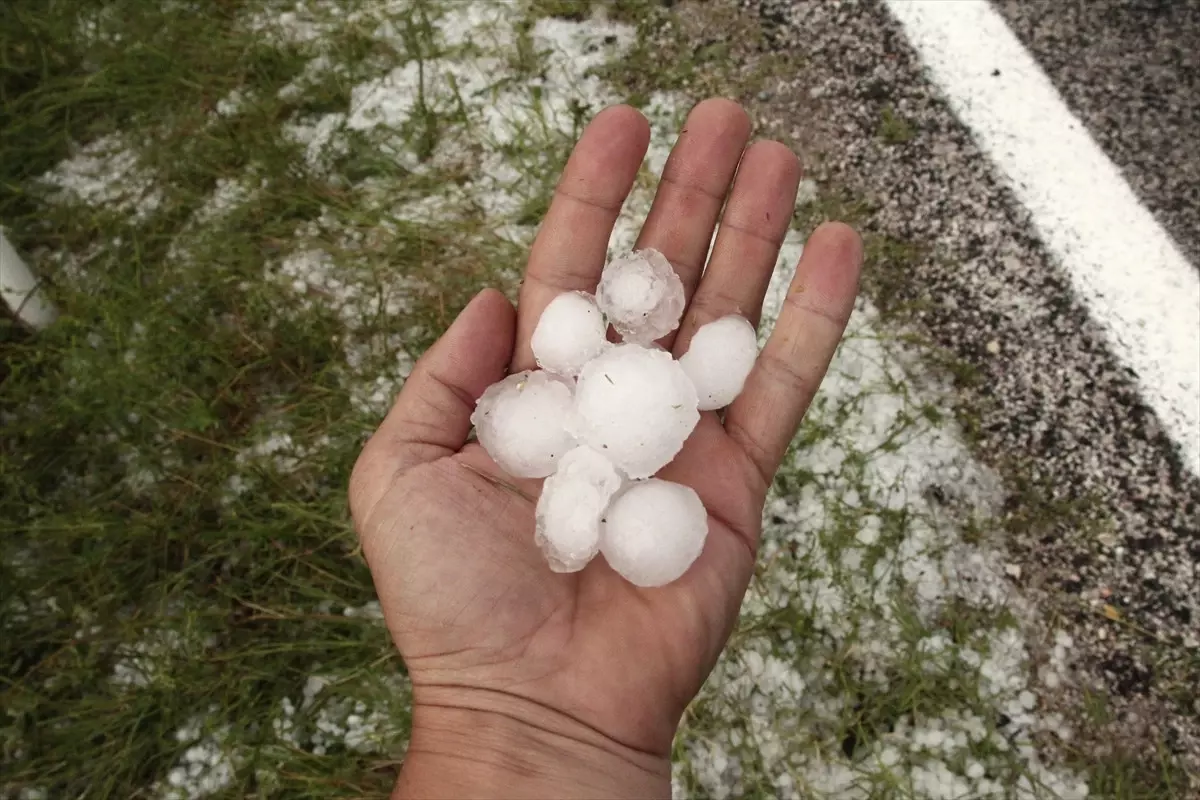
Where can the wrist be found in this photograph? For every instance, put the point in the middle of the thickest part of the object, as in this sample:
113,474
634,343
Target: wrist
492,744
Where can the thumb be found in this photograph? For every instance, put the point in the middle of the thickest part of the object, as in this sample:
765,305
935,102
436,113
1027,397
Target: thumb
432,416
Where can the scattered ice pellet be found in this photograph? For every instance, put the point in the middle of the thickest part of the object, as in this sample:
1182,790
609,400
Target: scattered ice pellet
641,295
653,531
569,510
522,423
719,358
570,333
635,406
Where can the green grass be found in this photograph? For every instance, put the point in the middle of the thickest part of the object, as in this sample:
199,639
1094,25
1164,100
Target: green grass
161,569
893,128
174,355
692,53
1140,776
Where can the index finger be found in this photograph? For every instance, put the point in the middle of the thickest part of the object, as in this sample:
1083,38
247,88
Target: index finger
569,252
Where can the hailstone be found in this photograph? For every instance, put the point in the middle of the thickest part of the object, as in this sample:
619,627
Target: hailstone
636,406
522,423
598,414
570,332
569,511
653,531
719,358
641,295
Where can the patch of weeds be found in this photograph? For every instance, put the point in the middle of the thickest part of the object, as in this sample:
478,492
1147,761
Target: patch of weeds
686,48
962,621
425,123
1095,707
893,128
1127,771
176,449
91,81
539,156
525,62
573,10
1036,508
975,532
347,57
1135,777
829,205
534,209
888,268
629,11
134,371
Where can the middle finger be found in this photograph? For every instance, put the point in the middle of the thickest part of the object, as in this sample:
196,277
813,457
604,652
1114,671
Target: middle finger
694,183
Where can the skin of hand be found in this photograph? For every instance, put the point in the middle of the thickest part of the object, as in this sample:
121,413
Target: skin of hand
531,683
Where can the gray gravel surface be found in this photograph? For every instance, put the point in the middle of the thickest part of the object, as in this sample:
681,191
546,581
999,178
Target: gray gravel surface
1130,69
1101,512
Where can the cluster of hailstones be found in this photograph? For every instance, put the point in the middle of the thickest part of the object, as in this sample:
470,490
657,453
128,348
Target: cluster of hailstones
599,419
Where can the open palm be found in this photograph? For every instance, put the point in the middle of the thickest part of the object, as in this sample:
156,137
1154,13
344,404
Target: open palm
481,621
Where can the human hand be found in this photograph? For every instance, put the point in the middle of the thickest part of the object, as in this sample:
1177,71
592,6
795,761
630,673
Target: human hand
528,682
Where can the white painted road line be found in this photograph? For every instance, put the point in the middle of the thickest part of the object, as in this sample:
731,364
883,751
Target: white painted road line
1125,267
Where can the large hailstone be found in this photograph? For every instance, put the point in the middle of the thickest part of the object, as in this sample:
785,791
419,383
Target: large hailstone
636,406
719,358
569,511
641,295
570,332
653,531
522,423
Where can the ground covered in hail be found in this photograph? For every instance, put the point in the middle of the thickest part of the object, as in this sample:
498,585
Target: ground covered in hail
254,217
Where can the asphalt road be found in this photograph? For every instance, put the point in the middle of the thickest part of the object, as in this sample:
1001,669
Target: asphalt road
1131,72
1060,413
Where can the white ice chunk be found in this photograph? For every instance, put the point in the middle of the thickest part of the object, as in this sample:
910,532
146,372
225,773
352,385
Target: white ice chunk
641,295
636,406
569,510
570,332
522,423
719,358
653,531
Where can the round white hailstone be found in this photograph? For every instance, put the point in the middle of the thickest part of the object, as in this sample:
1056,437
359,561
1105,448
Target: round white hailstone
653,531
719,358
641,295
570,333
569,511
636,407
522,423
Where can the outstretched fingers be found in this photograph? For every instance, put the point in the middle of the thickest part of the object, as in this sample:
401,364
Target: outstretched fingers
569,252
432,416
764,418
